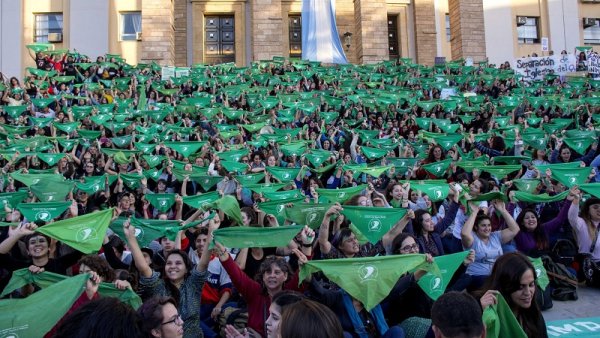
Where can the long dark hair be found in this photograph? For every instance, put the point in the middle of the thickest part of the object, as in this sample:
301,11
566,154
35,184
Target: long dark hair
173,290
539,235
417,222
506,278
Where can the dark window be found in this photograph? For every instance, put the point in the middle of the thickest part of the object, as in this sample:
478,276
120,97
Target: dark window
591,34
219,39
295,35
48,23
393,37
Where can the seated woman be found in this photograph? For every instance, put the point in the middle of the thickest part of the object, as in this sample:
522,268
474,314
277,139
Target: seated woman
477,235
159,318
586,232
308,319
514,278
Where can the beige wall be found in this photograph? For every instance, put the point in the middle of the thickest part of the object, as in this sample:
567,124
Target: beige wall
130,50
587,10
443,45
400,8
529,8
30,8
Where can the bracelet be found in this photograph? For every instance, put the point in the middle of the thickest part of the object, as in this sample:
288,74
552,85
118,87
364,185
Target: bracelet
307,245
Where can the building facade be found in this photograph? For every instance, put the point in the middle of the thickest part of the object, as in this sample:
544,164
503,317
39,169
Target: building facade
185,32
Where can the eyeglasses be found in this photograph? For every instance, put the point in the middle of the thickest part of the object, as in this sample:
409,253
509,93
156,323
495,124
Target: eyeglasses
412,247
174,321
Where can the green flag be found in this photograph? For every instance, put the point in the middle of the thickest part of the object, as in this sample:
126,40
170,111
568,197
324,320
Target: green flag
84,233
341,195
201,200
162,202
435,286
373,222
579,144
438,169
185,148
45,279
144,234
591,188
501,171
540,272
253,237
12,198
51,191
51,158
500,321
229,206
369,279
306,213
248,179
26,318
526,185
448,141
373,153
571,176
435,191
44,211
284,174
523,196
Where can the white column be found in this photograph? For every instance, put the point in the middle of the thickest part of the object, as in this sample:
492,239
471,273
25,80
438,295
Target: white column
498,21
11,38
564,25
88,28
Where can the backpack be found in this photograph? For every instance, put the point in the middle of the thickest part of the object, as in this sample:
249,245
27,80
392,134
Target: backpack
564,252
562,280
232,316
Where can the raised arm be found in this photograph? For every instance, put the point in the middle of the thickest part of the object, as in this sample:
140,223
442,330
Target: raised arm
136,252
466,234
324,243
512,228
389,236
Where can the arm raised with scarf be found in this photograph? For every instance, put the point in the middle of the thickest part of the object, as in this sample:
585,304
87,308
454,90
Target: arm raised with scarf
466,234
389,236
512,229
324,242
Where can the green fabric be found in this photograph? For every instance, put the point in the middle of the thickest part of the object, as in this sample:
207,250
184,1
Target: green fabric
500,321
448,141
144,233
373,153
523,196
540,272
591,188
13,198
571,176
254,237
250,178
162,202
42,211
579,144
306,214
542,167
438,169
51,191
153,160
369,279
490,196
185,148
131,181
84,233
45,279
294,148
26,318
501,171
276,207
233,155
266,187
31,179
510,159
340,195
51,159
373,222
229,206
235,166
374,171
201,200
207,181
435,286
316,158
283,174
435,191
526,185
283,195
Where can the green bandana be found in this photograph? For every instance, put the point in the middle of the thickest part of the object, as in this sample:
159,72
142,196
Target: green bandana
252,237
51,158
435,191
26,318
540,272
571,176
276,207
341,195
374,171
490,196
284,174
144,233
42,211
283,195
51,191
542,167
434,286
537,141
31,179
84,233
526,185
12,198
131,181
201,201
510,159
293,149
579,144
306,214
500,321
501,171
235,166
229,206
162,202
369,279
373,153
153,160
591,188
185,148
438,169
318,157
373,222
523,196
448,141
249,179
67,127
233,155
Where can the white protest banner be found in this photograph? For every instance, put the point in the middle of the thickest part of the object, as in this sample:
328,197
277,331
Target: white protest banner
545,45
167,72
535,68
593,64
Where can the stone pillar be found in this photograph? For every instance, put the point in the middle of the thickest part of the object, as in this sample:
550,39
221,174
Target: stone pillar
371,36
158,35
425,33
467,30
266,29
180,34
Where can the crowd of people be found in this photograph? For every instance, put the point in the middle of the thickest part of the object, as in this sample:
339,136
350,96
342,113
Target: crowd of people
392,159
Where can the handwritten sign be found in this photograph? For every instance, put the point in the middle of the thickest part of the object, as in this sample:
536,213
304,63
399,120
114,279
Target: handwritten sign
535,68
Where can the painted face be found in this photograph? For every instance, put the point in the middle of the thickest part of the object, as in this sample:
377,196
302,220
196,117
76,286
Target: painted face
272,322
172,324
175,268
523,297
409,246
38,246
530,221
274,277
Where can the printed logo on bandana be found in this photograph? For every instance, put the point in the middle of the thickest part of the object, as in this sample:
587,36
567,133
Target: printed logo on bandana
86,234
35,180
438,193
139,233
96,187
43,216
163,203
538,272
206,181
280,208
286,175
341,194
436,283
367,273
438,169
50,198
10,335
311,217
184,148
374,225
572,179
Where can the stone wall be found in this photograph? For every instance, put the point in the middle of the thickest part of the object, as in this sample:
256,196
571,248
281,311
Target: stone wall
266,29
371,37
467,29
158,38
180,25
425,33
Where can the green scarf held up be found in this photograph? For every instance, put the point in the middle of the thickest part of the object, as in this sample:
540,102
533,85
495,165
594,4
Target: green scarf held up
252,237
540,272
51,159
84,233
229,206
144,233
368,279
526,185
571,176
500,321
162,202
435,286
340,195
501,171
373,222
275,207
435,191
283,174
283,195
523,196
591,188
12,198
373,153
185,148
306,214
44,211
201,200
51,191
448,141
438,169
248,179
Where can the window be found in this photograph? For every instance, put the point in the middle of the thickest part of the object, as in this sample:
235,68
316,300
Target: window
219,40
48,23
447,27
295,36
527,29
131,25
591,35
393,37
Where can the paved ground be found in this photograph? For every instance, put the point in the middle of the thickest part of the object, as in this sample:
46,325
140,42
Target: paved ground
588,305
